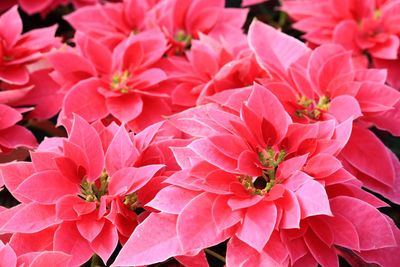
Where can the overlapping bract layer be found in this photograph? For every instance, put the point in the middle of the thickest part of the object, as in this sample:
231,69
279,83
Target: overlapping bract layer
367,28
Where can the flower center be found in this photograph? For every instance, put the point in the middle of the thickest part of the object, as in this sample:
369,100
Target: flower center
119,81
308,107
92,191
182,41
260,185
132,201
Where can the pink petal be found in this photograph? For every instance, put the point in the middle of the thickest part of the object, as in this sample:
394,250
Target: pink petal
223,216
148,78
46,187
291,211
86,137
154,240
247,163
325,255
13,174
258,224
7,255
373,229
288,167
89,227
69,169
209,152
386,50
98,54
313,199
238,252
14,74
81,68
237,202
198,260
85,100
67,239
384,256
51,258
40,241
125,107
131,179
195,228
120,152
162,201
11,25
322,165
352,110
9,116
232,146
263,102
31,218
17,136
106,241
64,207
374,97
344,232
279,52
378,164
322,230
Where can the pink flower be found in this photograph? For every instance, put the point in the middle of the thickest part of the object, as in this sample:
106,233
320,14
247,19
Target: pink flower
323,84
180,21
18,51
259,179
112,23
123,83
359,26
209,67
82,190
24,74
365,27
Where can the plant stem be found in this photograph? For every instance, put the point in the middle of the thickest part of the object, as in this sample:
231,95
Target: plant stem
214,254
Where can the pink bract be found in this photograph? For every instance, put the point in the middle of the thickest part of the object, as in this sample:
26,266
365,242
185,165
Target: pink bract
274,187
367,28
87,187
123,83
323,84
180,21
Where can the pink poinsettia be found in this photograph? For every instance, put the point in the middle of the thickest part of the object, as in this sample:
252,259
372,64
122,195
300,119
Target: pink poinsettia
368,28
261,180
123,83
322,85
180,21
18,51
80,193
24,74
209,67
112,23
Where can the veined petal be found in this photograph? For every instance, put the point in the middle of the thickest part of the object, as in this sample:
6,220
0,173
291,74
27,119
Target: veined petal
258,224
